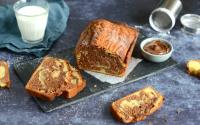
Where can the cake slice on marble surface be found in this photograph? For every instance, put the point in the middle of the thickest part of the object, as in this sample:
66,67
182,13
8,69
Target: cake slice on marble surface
193,67
4,75
137,106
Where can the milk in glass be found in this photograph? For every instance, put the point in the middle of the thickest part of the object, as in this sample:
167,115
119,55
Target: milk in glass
32,18
32,21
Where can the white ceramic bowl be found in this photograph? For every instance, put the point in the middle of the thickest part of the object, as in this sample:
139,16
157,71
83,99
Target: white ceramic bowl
153,57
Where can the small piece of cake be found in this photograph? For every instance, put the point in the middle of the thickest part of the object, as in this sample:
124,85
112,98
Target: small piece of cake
55,77
137,106
4,75
193,67
106,47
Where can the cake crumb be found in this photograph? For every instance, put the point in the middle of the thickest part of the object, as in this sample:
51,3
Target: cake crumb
179,110
165,120
150,123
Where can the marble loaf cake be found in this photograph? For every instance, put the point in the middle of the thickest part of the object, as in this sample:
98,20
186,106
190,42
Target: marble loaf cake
106,47
4,75
55,77
137,106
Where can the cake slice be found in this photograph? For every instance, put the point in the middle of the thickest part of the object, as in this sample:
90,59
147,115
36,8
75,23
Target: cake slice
193,67
4,75
137,106
106,47
55,77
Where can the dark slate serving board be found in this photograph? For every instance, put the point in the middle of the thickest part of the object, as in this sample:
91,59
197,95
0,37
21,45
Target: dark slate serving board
94,86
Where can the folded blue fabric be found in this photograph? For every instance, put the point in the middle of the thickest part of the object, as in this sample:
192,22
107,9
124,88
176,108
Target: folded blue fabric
10,36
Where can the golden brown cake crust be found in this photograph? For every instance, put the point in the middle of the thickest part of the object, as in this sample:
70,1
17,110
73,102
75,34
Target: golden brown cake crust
137,106
103,38
193,67
55,77
4,75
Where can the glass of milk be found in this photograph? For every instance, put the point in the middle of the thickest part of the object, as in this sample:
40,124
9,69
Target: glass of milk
32,17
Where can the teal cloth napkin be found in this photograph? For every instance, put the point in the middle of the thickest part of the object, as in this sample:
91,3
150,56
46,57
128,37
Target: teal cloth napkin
10,36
